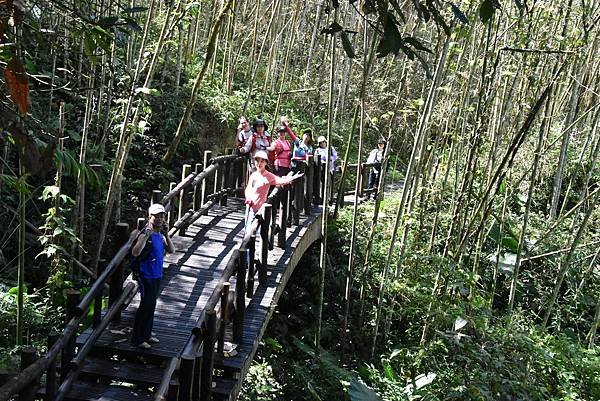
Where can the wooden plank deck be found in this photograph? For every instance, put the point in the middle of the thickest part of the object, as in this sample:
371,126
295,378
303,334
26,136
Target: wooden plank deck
190,277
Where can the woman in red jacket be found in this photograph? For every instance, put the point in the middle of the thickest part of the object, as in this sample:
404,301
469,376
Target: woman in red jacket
283,149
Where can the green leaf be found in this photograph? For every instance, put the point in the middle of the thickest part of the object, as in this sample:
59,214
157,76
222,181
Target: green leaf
303,347
398,10
395,353
510,243
50,192
108,22
388,371
89,46
459,14
487,9
391,41
144,90
333,28
74,135
347,45
132,24
416,44
358,391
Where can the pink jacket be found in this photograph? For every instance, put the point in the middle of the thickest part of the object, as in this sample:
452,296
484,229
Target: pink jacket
283,149
257,189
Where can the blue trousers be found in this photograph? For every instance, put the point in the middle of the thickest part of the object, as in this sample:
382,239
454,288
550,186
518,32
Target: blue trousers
144,317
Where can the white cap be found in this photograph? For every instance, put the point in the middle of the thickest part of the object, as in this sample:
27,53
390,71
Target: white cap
156,208
261,154
321,139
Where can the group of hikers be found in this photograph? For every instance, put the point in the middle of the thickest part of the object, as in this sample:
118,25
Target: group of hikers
282,155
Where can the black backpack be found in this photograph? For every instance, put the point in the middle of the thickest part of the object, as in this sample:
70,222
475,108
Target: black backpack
134,261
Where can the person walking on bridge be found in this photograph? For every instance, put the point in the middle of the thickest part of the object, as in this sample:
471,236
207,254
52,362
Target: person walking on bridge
376,156
150,248
259,182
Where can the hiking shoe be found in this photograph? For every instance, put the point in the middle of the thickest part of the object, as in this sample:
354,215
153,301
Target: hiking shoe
153,340
144,345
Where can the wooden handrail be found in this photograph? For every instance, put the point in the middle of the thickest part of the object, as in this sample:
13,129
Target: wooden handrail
190,179
65,387
99,283
35,370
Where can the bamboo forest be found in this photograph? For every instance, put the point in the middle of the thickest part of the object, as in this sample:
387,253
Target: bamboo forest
308,200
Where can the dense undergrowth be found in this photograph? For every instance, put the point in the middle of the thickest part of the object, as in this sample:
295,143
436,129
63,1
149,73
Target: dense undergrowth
473,350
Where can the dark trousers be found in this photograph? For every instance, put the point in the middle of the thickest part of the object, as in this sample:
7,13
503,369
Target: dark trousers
373,179
144,317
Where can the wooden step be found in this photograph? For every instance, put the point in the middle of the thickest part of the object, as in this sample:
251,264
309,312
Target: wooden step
122,370
224,389
89,391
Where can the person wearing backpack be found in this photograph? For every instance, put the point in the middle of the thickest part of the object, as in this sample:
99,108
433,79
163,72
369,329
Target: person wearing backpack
259,140
150,247
244,132
376,156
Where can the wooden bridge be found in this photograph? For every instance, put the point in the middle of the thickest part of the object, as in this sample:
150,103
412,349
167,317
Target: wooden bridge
218,292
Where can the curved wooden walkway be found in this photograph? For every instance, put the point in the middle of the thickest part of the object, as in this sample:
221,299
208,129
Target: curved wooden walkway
191,275
213,308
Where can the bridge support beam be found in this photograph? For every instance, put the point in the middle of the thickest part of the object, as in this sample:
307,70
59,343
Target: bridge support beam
116,279
240,296
183,196
197,197
283,217
309,180
69,350
186,379
207,188
251,269
264,246
28,356
208,356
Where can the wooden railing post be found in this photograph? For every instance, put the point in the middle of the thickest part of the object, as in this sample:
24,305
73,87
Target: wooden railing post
173,206
364,179
309,178
243,175
226,182
51,384
173,393
116,279
197,377
299,194
186,379
274,211
206,187
197,197
251,252
97,316
28,356
224,316
218,177
264,249
69,351
183,196
283,208
240,296
208,356
233,175
317,187
156,196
